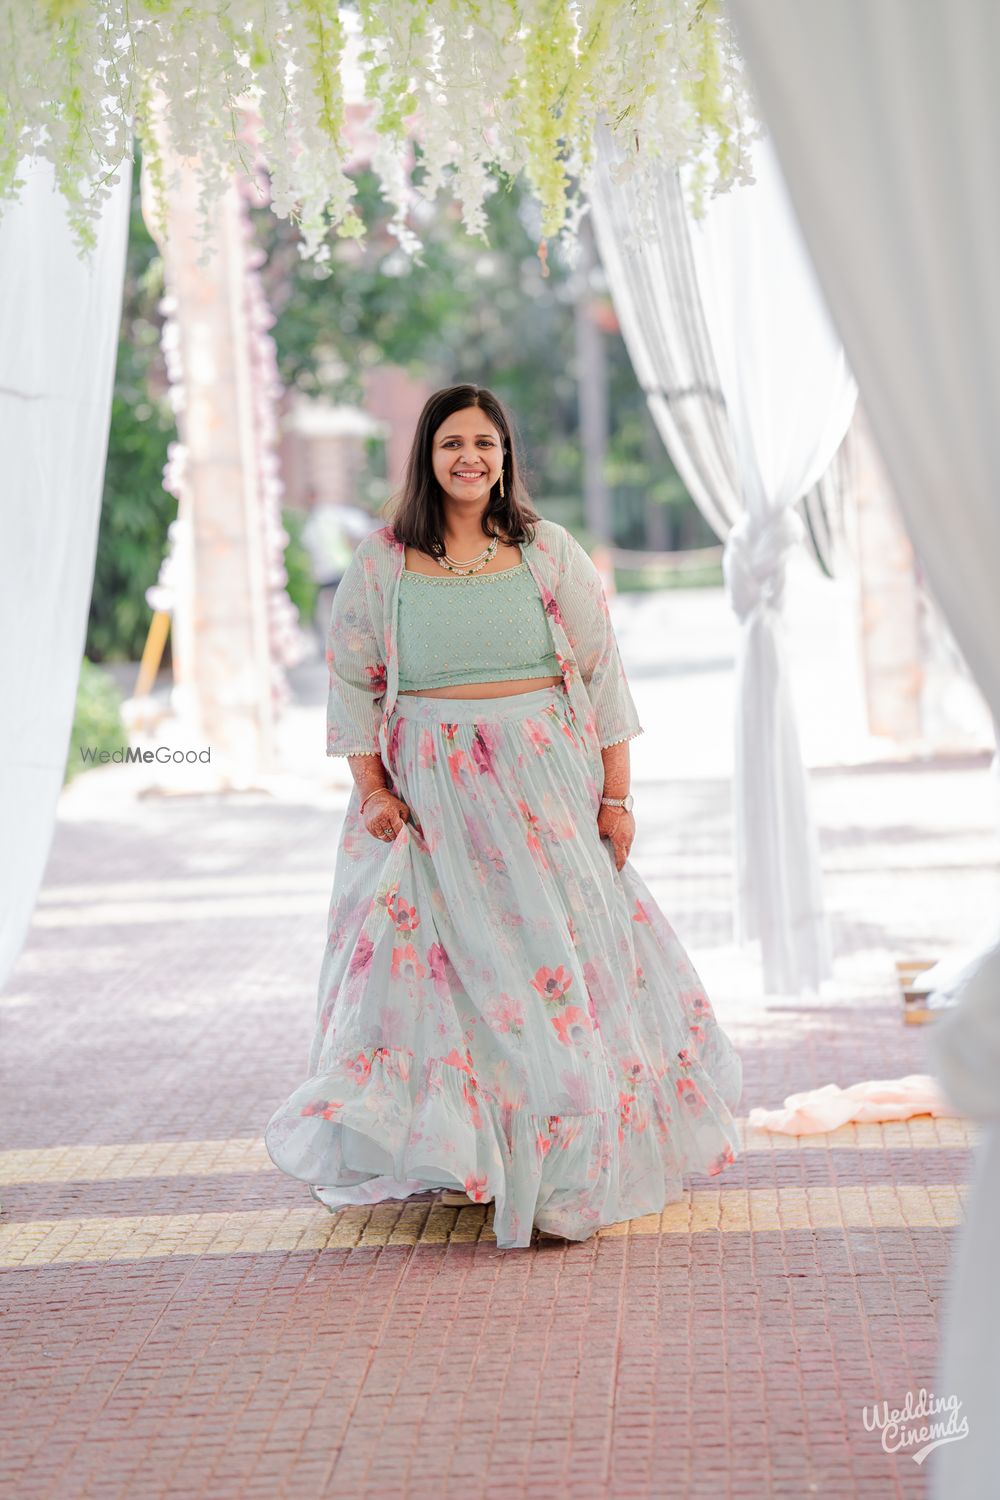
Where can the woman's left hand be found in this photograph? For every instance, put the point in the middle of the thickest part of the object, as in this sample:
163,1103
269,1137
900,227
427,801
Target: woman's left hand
616,824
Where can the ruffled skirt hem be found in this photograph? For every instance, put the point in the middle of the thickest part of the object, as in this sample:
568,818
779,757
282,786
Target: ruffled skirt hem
360,1133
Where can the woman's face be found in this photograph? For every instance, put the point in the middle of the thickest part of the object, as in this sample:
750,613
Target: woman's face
467,456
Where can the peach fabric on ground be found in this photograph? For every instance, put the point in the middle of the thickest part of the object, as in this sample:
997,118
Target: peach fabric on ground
826,1108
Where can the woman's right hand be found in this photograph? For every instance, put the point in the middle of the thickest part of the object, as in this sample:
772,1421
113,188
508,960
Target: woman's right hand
385,815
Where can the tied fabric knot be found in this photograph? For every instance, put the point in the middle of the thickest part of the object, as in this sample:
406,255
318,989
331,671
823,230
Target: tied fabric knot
753,559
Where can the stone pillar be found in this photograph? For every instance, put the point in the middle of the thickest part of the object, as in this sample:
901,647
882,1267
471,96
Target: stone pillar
592,391
888,596
221,647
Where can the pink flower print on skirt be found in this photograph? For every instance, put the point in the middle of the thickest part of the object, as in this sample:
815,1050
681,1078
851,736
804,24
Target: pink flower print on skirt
500,1009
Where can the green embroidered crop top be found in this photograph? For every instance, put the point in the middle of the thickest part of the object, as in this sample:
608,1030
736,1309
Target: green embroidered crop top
480,627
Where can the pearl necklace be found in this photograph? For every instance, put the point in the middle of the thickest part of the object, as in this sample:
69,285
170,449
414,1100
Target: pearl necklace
474,565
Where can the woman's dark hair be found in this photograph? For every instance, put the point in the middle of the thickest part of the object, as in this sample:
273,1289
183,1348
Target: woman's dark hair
417,515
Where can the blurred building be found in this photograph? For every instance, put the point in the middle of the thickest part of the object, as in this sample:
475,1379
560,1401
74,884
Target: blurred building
331,454
396,398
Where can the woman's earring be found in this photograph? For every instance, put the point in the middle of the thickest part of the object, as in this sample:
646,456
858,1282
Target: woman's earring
501,484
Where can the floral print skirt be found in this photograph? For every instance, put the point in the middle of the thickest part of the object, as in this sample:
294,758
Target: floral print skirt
500,1009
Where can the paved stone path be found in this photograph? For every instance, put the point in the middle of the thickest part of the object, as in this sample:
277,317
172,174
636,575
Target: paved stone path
180,1320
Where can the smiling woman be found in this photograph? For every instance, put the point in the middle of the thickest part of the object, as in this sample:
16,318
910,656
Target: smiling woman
487,641
503,1007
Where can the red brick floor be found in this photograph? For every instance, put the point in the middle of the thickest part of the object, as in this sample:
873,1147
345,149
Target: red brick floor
181,1320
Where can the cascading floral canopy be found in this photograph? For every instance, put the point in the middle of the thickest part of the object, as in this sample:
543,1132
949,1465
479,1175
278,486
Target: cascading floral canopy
479,84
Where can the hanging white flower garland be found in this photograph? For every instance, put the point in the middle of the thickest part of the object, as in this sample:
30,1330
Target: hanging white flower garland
517,84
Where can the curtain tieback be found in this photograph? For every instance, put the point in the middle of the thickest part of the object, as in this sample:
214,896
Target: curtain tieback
754,557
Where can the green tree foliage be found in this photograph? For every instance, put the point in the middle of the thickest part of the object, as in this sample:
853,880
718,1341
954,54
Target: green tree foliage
457,312
460,312
136,509
300,586
97,719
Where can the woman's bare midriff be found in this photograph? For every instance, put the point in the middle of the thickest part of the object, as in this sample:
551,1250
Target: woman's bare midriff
483,689
419,562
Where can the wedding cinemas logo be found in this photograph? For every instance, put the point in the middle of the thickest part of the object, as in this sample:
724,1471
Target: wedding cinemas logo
131,755
923,1422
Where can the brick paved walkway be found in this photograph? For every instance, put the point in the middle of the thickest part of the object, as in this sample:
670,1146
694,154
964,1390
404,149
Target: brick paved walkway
181,1320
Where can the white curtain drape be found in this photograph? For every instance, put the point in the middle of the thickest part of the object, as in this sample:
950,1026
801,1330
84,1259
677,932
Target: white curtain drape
886,119
655,292
752,416
59,318
672,357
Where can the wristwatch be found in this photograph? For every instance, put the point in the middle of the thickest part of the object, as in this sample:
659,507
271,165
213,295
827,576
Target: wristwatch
625,802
